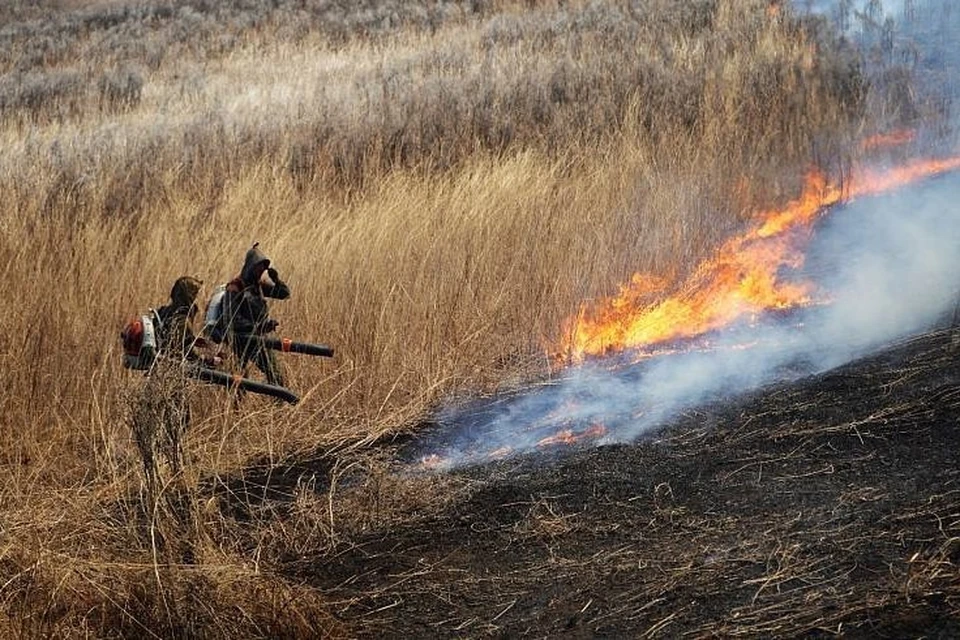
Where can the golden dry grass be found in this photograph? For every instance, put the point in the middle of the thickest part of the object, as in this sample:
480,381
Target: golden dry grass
440,195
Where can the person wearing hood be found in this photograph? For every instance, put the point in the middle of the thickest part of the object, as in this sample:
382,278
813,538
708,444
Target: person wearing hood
248,315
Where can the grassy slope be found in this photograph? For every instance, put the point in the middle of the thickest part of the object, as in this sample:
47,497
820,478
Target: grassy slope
628,132
441,184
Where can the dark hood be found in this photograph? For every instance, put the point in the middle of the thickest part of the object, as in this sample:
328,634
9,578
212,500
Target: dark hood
254,257
184,291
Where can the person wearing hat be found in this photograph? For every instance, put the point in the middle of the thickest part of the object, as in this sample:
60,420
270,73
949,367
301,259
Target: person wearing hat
162,416
176,335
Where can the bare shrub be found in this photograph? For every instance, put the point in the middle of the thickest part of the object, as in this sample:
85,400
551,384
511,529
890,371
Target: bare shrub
160,420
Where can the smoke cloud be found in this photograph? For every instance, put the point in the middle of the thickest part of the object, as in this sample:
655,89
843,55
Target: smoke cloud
890,264
863,10
917,35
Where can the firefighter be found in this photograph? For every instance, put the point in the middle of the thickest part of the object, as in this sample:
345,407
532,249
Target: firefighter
248,315
176,335
161,416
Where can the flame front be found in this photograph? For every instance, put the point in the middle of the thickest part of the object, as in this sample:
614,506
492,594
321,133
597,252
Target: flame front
886,140
743,279
570,437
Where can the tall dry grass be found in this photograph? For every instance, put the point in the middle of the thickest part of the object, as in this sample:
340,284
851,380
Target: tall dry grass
441,187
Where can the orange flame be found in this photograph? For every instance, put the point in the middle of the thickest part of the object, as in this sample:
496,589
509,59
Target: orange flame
741,280
568,437
433,462
500,453
890,139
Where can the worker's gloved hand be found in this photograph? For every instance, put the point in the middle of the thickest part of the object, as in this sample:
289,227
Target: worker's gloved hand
270,325
274,276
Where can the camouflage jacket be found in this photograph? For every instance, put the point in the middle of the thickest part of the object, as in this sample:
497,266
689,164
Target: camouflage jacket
176,335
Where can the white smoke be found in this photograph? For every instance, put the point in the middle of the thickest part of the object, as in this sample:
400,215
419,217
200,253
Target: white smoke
883,9
902,272
891,265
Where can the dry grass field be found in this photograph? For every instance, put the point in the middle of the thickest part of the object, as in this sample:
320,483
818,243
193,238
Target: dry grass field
441,183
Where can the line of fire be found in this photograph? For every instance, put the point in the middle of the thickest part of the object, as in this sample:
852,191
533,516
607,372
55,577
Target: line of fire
751,277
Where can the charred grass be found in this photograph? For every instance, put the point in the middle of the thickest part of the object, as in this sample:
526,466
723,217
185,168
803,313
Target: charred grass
441,183
828,507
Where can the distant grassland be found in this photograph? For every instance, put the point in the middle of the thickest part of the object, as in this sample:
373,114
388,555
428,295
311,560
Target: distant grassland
441,183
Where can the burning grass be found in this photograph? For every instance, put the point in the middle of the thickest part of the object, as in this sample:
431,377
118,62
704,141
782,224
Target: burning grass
440,186
743,279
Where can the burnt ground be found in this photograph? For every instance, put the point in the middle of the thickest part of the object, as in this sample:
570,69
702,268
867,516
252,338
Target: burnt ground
827,506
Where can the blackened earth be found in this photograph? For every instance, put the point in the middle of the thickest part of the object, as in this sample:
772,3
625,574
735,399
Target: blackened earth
830,505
